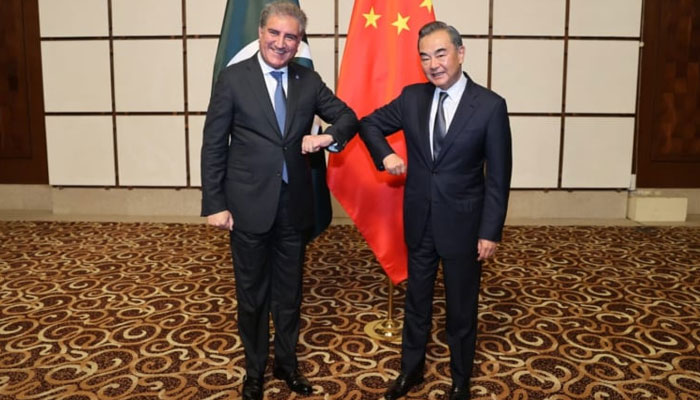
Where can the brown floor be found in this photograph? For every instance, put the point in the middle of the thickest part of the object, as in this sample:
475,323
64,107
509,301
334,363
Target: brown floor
103,310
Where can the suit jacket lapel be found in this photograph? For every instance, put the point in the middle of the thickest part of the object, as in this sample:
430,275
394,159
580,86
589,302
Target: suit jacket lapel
258,90
465,110
424,103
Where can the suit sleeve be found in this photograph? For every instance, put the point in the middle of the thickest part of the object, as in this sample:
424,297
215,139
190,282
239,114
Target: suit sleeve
498,154
374,128
217,128
334,111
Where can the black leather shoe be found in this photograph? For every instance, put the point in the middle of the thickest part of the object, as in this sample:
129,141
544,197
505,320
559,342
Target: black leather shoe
296,381
460,392
402,385
252,388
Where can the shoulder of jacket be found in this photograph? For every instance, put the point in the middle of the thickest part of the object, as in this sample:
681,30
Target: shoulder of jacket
299,71
418,87
235,70
486,93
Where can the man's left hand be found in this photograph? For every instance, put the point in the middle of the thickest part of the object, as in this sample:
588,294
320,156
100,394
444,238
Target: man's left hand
486,249
314,143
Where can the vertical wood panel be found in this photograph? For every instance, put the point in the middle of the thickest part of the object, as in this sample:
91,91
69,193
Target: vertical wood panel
14,142
669,117
22,132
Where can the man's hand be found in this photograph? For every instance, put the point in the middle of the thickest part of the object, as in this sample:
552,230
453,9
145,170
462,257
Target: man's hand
314,143
486,249
394,164
221,220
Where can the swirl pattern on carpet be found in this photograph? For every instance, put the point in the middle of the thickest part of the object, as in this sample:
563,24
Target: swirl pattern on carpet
147,311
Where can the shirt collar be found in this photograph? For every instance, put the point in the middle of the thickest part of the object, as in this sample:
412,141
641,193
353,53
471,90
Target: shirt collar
455,91
266,69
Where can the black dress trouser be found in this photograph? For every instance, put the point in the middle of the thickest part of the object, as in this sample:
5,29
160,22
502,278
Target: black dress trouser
268,273
461,278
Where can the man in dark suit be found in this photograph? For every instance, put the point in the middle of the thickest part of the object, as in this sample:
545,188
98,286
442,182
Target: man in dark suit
457,184
256,182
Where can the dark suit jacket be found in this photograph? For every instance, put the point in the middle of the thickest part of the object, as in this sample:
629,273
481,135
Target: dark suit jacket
464,203
243,149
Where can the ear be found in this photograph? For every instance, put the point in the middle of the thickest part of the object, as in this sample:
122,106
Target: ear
460,54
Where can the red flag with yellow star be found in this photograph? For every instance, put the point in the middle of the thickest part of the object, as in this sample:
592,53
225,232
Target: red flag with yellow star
381,57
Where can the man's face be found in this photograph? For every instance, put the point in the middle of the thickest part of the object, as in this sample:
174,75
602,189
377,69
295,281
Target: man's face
440,59
279,40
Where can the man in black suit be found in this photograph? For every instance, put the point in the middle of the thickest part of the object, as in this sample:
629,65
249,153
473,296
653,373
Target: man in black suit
457,184
256,182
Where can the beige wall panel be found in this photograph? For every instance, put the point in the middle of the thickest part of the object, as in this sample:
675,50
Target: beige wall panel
34,199
341,49
195,149
320,14
602,76
693,196
200,69
597,152
344,15
204,17
605,18
125,204
73,18
146,17
528,73
323,53
80,150
76,76
148,75
586,207
535,151
151,150
470,17
532,17
476,60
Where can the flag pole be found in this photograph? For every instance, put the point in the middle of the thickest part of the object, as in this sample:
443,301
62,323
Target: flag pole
387,329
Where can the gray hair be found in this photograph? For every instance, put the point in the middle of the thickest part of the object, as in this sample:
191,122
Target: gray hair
434,26
284,8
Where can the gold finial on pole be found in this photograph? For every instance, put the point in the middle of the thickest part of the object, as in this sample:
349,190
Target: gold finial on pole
386,329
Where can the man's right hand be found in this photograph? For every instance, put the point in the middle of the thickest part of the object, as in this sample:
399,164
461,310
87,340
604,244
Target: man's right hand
221,220
394,164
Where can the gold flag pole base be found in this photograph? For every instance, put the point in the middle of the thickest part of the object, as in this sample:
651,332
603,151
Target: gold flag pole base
384,329
387,329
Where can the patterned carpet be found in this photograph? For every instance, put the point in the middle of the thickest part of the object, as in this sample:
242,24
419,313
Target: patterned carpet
146,311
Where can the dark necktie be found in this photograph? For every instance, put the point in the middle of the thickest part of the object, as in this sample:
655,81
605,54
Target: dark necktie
280,111
439,127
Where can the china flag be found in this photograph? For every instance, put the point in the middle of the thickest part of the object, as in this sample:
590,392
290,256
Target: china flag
380,58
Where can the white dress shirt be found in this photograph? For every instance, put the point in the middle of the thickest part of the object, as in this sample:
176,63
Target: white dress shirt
270,80
454,95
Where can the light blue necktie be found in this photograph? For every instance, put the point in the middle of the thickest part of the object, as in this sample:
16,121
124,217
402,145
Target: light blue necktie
280,112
